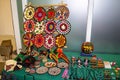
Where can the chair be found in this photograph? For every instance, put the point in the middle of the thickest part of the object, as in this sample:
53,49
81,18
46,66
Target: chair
6,48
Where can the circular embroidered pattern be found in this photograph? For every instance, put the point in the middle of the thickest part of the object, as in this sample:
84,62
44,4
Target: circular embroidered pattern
60,41
62,65
29,12
49,41
39,27
40,14
62,12
50,26
39,40
51,13
54,71
28,39
63,27
41,70
29,26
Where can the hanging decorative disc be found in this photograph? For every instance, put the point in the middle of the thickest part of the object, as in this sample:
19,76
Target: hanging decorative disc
29,26
49,41
40,14
51,13
50,27
39,27
63,27
29,12
60,41
28,39
39,40
62,12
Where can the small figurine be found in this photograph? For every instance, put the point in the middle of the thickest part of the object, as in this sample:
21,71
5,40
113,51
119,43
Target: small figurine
79,62
73,60
86,61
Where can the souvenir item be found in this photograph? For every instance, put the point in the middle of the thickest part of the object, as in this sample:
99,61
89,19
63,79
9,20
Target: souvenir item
8,76
28,61
54,71
27,70
62,12
29,12
62,55
51,13
79,62
28,39
107,75
40,14
44,59
39,27
62,65
60,41
113,63
49,41
53,56
86,61
39,40
50,26
37,63
65,74
10,65
73,60
93,60
63,27
50,64
29,26
32,71
41,70
87,47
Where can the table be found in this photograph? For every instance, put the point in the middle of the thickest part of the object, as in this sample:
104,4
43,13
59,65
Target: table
75,72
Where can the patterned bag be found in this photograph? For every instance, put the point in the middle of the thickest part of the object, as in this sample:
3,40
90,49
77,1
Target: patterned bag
7,76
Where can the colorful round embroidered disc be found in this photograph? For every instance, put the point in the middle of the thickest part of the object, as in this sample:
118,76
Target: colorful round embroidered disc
29,26
40,14
50,27
49,41
39,40
60,41
63,27
51,13
28,39
39,27
62,12
29,12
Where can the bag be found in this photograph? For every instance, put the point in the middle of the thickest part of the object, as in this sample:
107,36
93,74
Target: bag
8,76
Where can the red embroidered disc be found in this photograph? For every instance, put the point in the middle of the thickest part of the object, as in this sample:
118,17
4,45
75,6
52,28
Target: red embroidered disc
40,14
39,40
51,13
29,26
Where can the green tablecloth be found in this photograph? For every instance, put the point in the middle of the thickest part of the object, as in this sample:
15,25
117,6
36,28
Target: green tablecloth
74,71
